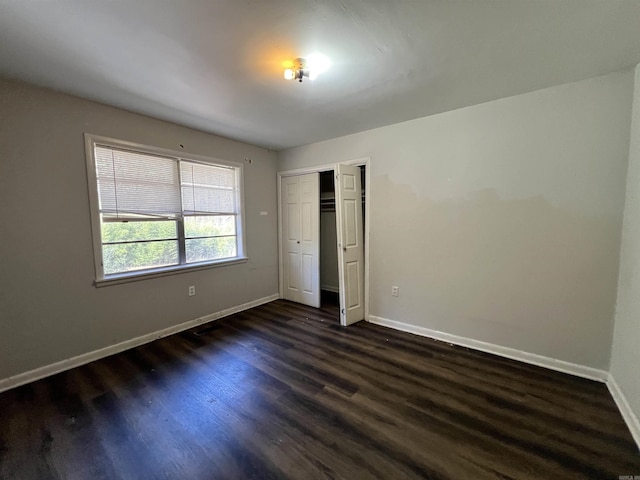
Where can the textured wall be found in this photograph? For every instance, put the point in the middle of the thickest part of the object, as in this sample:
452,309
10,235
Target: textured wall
625,357
500,222
49,310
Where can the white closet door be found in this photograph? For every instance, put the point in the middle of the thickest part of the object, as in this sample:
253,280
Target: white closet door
350,243
301,238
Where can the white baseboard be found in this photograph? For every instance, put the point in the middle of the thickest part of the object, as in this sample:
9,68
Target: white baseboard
52,369
629,416
512,353
329,288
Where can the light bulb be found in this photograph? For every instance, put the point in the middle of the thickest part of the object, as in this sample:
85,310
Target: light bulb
318,63
313,74
289,74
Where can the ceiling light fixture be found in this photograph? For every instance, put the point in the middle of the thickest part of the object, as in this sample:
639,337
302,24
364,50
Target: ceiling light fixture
310,68
297,71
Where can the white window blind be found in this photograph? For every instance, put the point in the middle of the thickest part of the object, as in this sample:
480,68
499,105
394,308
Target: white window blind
133,185
208,189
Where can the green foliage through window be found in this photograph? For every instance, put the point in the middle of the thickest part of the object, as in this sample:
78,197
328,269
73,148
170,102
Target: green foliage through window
124,257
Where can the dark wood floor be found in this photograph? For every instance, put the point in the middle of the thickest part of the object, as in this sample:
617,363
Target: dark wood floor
281,391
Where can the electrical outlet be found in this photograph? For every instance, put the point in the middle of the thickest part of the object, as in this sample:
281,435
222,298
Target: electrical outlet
192,290
395,291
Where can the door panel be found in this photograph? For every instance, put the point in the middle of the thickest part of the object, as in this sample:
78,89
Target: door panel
292,214
350,212
349,182
306,222
294,271
350,246
307,270
301,247
353,274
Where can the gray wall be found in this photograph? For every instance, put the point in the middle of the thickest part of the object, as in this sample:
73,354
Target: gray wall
500,222
49,310
625,357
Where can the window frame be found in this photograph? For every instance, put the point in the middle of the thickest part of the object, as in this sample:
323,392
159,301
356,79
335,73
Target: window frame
101,279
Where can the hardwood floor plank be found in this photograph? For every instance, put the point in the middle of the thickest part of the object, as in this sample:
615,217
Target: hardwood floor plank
282,391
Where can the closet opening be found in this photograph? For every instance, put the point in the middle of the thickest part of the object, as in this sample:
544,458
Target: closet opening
329,258
323,239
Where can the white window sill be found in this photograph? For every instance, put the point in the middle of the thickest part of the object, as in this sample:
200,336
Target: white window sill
120,278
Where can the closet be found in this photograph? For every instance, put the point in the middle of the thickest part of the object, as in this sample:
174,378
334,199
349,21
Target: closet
329,241
329,283
322,239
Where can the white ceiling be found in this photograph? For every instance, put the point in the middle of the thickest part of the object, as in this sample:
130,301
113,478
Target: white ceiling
217,65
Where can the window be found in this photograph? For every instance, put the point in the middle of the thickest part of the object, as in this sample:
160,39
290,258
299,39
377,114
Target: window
154,212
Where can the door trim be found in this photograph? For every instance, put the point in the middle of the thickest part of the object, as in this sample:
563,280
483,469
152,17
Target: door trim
366,161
